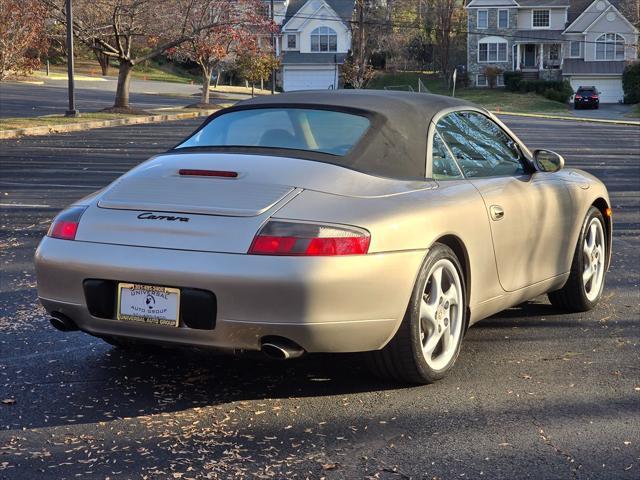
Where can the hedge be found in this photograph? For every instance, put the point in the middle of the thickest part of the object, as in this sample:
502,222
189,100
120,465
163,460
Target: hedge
512,80
560,95
557,90
631,83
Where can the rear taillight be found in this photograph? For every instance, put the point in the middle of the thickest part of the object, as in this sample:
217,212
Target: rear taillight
578,97
308,239
595,97
65,225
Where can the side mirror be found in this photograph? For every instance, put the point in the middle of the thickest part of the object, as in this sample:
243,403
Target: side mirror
548,161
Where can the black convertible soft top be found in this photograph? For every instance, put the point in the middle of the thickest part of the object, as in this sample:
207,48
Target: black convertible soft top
395,145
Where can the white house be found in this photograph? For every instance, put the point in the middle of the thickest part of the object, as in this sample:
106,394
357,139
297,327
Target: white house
600,40
587,42
315,37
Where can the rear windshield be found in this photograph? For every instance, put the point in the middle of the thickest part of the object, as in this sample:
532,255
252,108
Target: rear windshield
584,91
323,131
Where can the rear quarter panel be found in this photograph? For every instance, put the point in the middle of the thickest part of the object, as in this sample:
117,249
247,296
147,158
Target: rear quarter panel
414,221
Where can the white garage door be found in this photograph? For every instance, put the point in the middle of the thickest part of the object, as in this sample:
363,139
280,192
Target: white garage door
308,78
610,88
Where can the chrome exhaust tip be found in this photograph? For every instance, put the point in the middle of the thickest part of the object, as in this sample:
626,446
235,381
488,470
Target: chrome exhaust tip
281,349
63,323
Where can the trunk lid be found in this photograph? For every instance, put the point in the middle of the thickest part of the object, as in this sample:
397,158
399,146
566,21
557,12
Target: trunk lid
165,190
154,206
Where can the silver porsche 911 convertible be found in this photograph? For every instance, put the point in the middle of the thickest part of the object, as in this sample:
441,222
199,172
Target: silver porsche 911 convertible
346,221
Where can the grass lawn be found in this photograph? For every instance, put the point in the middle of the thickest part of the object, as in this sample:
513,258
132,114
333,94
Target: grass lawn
635,112
239,89
163,73
503,101
46,120
491,99
152,71
51,120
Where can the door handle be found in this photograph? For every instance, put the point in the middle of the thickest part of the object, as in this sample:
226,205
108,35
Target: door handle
497,213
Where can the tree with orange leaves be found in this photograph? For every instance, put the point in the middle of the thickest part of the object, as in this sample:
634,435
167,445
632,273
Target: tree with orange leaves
238,24
22,36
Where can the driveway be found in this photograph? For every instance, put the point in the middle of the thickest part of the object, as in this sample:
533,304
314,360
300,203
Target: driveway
535,394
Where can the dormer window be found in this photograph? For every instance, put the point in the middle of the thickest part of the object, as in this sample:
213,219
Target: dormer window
324,39
540,19
292,41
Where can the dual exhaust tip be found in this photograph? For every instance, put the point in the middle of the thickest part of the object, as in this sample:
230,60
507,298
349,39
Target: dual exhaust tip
63,323
274,347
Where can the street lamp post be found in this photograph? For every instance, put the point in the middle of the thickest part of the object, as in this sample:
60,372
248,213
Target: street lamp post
72,112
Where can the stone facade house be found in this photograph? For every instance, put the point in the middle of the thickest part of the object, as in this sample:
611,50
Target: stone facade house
585,43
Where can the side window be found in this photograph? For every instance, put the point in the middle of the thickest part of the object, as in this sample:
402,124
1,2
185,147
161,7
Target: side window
480,146
443,165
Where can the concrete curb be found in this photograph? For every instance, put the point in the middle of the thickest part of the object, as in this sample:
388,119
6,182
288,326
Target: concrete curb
74,127
575,119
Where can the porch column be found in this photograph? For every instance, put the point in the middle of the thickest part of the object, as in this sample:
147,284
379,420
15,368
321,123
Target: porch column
518,56
541,65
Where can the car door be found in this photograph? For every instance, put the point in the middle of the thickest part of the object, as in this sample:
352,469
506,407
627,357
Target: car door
529,211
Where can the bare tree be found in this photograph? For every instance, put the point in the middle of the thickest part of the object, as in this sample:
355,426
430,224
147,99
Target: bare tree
443,16
631,10
371,29
22,37
134,31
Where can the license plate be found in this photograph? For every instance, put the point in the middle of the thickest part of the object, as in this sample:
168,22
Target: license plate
148,304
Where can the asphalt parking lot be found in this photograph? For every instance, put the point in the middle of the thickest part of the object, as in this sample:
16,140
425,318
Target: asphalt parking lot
535,394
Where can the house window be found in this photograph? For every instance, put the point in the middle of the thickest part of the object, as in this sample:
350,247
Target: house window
481,80
574,49
554,52
503,18
540,19
292,44
610,46
500,80
483,18
492,51
324,39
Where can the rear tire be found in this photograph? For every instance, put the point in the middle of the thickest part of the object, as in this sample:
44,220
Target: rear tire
427,344
584,287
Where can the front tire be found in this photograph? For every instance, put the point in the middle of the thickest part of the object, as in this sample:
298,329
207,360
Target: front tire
584,287
427,344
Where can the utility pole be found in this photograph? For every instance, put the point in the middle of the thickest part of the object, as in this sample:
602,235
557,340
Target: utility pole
275,53
72,112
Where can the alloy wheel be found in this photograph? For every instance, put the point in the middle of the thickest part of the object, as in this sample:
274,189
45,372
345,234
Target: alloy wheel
593,251
441,314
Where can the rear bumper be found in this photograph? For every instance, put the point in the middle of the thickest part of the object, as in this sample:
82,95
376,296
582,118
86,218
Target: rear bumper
325,304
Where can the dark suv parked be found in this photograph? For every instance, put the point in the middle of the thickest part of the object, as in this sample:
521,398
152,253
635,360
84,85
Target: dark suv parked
586,97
